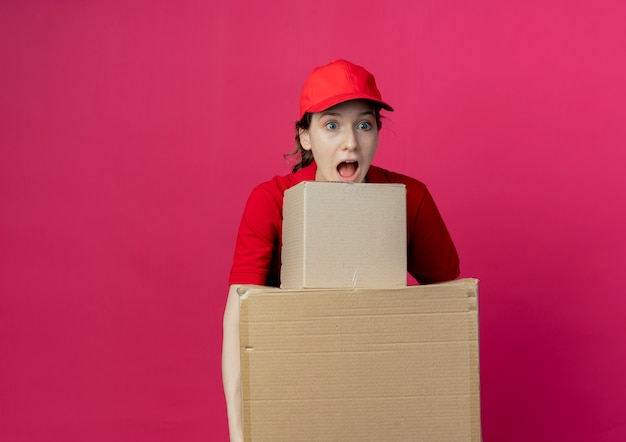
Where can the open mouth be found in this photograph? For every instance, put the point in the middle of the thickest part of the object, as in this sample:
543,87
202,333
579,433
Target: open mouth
348,169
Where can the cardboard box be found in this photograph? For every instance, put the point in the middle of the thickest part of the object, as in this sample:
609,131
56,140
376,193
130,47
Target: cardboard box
361,364
344,235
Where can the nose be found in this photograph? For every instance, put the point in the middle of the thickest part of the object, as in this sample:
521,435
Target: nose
350,140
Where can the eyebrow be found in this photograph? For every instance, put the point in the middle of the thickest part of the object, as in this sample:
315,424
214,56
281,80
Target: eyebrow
338,114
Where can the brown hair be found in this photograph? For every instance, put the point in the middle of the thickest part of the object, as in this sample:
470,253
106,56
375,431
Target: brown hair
304,157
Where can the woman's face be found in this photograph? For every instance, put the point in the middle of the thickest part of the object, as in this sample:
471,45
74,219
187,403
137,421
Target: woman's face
343,140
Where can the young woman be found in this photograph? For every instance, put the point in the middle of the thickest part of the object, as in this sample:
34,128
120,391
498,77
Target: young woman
336,140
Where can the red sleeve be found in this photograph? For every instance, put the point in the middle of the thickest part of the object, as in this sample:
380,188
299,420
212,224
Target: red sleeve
257,249
431,255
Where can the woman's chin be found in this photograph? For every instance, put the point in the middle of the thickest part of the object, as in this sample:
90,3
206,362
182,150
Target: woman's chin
351,179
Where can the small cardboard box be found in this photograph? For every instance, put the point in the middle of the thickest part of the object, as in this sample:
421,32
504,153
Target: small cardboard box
344,235
361,364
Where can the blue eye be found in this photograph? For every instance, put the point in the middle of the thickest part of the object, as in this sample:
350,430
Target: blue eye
331,125
364,125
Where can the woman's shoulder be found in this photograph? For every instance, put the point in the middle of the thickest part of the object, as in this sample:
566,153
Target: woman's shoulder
268,195
276,186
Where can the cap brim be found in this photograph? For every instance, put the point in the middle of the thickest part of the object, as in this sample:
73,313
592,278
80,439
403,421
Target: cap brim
333,101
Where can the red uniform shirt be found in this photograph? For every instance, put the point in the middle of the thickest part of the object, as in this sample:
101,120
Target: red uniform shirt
431,255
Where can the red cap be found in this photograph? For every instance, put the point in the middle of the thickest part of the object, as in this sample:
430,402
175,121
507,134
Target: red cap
335,83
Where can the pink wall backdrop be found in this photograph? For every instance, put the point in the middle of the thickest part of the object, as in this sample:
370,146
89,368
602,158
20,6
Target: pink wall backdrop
132,131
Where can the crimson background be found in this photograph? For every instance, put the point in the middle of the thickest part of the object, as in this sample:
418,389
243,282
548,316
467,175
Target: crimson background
132,131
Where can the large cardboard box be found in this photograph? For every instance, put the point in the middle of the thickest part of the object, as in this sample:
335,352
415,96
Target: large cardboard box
344,235
361,364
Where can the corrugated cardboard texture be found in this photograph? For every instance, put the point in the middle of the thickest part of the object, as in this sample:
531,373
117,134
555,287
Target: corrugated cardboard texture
361,364
344,235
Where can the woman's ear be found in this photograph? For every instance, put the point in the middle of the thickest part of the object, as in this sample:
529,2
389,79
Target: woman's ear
305,139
